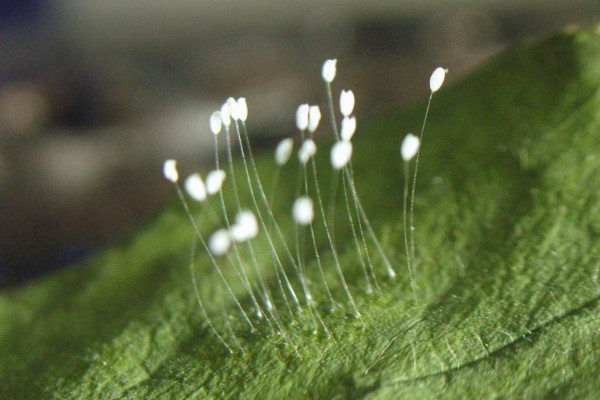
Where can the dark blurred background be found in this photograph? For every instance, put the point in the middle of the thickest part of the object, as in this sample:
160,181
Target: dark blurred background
94,95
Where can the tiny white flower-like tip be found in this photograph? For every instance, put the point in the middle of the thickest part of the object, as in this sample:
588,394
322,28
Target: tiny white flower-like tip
215,122
234,109
302,117
219,242
194,186
341,152
245,227
283,151
170,170
329,70
303,211
307,151
242,108
225,115
314,117
348,128
346,102
437,79
410,146
214,181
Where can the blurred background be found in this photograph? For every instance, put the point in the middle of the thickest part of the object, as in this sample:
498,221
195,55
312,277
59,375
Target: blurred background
94,95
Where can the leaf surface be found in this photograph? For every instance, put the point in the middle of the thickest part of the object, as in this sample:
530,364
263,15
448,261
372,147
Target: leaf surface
507,220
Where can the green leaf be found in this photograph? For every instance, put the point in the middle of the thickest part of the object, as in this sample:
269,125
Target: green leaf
507,219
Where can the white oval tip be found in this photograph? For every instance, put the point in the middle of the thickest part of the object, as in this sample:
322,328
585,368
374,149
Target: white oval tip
329,70
314,117
346,102
194,186
245,227
234,109
341,152
410,146
348,128
283,151
225,115
242,108
170,170
215,122
307,151
214,181
219,242
302,117
303,210
437,79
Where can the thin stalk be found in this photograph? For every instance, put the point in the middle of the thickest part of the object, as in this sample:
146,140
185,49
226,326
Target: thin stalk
369,289
404,204
201,304
264,287
314,242
348,171
370,231
414,183
242,267
331,241
270,213
212,258
335,180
